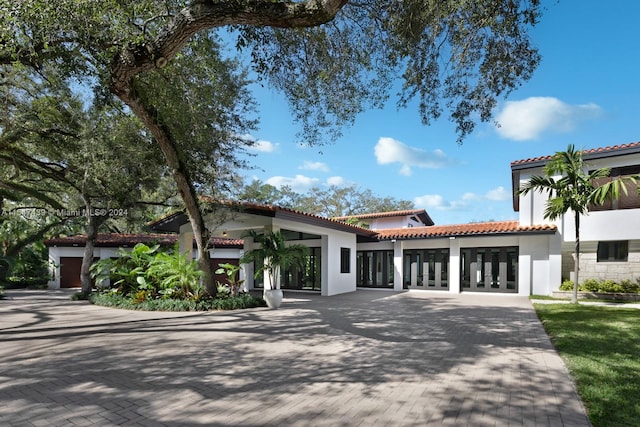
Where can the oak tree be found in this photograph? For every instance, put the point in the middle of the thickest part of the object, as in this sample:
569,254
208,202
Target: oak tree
331,58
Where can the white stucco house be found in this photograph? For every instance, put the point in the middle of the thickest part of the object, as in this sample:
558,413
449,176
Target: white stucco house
609,234
405,250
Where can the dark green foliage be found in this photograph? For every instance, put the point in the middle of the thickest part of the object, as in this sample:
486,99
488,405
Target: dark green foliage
147,273
175,275
29,268
233,279
113,299
601,347
128,271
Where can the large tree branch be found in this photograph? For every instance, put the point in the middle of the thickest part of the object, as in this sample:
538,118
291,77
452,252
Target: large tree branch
15,187
34,237
206,14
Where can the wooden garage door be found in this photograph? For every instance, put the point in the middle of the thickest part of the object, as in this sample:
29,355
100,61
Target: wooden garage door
70,272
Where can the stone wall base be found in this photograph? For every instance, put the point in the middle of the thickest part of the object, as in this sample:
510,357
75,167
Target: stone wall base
598,295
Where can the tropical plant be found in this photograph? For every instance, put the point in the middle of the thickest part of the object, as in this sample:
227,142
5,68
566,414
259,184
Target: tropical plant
570,188
128,271
273,255
232,272
177,274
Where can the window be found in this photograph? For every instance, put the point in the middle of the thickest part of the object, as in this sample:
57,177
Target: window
374,269
628,200
430,268
489,269
345,260
613,251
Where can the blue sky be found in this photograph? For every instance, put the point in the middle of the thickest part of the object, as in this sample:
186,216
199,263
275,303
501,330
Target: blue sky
585,92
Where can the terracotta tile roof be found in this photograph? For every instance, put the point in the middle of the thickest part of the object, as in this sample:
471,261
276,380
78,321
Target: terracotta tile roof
122,239
473,229
589,152
380,214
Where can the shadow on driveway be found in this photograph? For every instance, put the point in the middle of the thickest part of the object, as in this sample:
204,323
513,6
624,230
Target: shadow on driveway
366,358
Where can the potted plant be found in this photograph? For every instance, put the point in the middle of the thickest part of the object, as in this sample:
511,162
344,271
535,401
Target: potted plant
271,257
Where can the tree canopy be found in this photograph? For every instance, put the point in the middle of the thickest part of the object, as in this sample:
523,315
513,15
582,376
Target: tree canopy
331,58
332,201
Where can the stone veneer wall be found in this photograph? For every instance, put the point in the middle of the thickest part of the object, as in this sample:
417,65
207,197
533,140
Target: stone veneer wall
591,269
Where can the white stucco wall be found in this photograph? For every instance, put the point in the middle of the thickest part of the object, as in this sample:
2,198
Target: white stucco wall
338,282
539,267
390,222
332,281
55,253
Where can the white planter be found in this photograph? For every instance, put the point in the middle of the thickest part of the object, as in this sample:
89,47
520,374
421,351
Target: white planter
273,297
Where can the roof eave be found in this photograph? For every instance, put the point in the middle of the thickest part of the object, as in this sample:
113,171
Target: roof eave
456,235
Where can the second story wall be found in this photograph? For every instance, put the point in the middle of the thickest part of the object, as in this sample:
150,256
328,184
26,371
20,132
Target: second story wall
615,221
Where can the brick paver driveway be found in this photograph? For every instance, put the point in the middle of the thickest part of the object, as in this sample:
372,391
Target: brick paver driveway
367,358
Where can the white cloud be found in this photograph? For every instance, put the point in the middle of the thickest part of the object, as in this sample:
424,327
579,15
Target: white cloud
314,166
437,202
529,118
299,183
498,194
265,146
336,180
470,196
389,150
429,201
260,145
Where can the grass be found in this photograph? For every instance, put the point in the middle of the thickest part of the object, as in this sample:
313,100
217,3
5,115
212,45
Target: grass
601,348
546,297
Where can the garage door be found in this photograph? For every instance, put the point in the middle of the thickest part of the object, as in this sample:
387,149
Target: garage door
70,272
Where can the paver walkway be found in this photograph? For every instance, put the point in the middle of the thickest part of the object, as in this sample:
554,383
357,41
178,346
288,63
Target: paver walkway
361,359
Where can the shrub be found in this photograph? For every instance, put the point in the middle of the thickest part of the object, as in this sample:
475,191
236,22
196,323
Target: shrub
567,285
629,286
116,300
590,285
177,275
128,271
610,286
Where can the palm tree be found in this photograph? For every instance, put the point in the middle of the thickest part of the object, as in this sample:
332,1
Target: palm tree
274,254
571,188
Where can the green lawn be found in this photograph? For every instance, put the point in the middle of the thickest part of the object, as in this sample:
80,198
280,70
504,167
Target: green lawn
601,347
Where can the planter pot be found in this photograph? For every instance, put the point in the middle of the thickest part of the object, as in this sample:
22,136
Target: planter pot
273,297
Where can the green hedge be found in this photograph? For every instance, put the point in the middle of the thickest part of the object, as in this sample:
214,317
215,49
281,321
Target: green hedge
111,299
605,286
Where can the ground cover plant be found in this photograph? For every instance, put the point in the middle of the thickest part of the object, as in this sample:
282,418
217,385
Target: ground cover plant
148,278
601,348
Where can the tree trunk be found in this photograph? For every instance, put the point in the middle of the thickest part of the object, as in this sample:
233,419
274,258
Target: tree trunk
181,176
194,18
576,261
93,223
